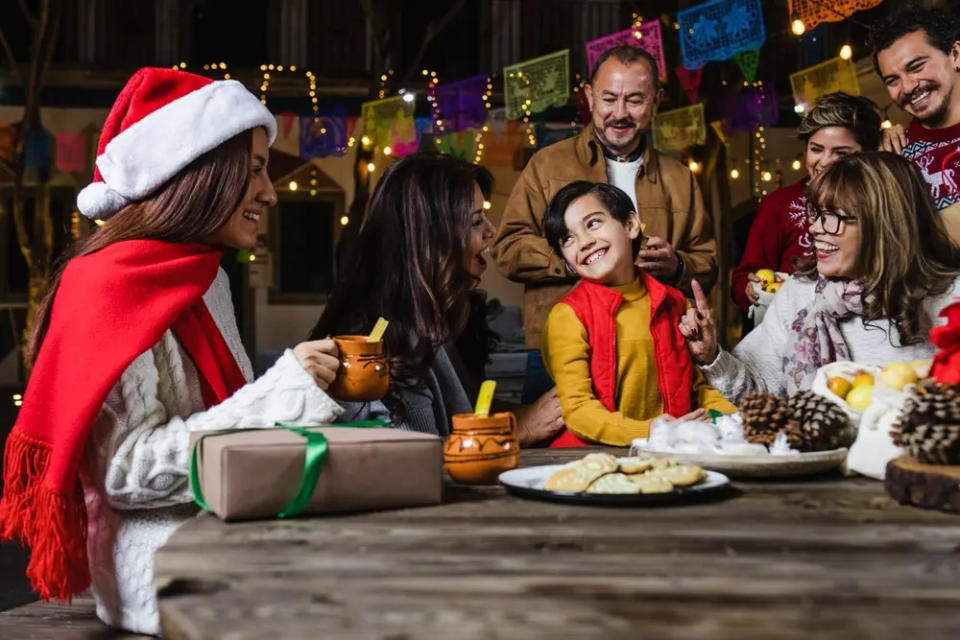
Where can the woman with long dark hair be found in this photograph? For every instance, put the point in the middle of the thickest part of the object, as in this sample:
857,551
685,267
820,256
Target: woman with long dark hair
418,256
136,345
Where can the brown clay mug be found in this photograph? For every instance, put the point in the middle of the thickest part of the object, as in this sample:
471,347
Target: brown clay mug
363,374
479,449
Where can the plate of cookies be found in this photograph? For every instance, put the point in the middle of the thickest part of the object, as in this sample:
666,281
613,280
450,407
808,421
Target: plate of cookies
601,478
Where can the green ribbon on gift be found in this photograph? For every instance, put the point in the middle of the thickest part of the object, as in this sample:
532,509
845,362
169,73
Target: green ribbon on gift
314,457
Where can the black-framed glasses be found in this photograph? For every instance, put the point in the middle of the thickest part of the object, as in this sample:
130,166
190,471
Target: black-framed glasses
829,220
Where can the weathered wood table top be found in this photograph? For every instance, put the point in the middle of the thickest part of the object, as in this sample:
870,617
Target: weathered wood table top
825,557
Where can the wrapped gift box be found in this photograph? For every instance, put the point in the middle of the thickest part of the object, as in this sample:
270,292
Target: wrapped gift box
255,473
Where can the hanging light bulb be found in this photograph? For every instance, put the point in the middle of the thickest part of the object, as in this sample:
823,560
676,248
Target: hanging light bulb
734,174
795,165
846,52
371,167
798,108
886,124
694,166
797,26
293,185
344,221
766,176
387,151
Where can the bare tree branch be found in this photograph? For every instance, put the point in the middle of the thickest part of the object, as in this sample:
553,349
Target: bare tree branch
14,67
26,13
434,28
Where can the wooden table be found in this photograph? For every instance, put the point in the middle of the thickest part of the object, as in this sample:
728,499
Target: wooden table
828,557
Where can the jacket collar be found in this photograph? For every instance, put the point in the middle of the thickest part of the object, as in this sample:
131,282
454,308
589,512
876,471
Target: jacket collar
590,153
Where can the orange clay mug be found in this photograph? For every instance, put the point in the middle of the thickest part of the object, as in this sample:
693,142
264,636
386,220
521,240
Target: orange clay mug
364,372
479,449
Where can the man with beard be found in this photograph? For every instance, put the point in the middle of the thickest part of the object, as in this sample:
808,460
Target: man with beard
916,52
624,94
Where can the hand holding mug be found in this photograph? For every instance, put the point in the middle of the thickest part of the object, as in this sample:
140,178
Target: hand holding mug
319,358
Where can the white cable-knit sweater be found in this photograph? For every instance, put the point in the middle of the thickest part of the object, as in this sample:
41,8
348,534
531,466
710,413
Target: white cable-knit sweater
136,461
757,363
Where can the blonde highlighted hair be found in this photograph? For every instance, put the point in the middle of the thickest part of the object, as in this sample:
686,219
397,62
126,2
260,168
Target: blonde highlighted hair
905,254
856,113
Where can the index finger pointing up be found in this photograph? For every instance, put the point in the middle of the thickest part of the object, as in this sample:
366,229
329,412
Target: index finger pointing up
699,297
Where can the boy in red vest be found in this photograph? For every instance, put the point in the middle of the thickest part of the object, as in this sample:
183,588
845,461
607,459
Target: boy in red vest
612,344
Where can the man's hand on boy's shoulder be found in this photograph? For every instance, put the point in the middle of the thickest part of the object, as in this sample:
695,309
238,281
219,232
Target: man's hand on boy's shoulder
659,259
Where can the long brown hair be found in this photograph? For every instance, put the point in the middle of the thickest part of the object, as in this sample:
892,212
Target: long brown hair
406,265
188,208
905,254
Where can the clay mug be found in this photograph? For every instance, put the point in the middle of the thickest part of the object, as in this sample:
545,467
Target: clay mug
363,374
479,449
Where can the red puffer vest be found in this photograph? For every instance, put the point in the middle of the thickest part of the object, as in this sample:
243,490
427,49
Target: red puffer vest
596,307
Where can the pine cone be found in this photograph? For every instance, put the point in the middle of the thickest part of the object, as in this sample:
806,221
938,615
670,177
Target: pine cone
929,423
819,424
764,416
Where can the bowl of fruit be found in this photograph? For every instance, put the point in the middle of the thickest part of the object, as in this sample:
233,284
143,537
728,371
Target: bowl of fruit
765,287
855,387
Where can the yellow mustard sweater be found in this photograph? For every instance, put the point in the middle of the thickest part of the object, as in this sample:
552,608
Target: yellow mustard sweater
566,356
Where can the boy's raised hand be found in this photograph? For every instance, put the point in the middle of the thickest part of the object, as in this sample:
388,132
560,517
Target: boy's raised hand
698,328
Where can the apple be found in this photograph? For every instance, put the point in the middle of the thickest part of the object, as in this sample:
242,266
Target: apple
859,397
897,375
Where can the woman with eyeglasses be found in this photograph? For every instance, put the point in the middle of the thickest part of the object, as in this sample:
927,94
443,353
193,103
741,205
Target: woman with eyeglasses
883,269
837,126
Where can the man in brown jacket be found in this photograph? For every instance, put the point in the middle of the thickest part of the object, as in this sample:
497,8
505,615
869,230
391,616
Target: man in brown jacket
623,94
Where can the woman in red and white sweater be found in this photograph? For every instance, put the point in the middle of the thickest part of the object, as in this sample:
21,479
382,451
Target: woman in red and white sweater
839,124
136,345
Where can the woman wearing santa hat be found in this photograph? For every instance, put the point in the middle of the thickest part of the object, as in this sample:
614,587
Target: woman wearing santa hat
136,344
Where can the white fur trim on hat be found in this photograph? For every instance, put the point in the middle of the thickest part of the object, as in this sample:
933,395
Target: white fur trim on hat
152,150
98,201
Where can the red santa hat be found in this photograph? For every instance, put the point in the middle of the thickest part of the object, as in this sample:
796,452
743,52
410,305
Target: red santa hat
162,120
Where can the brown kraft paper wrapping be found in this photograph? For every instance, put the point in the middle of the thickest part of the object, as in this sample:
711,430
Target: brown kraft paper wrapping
255,473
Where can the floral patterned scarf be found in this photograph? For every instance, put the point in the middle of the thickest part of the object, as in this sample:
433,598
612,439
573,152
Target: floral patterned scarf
817,330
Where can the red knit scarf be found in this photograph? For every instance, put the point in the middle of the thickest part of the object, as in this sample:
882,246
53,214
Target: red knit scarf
110,307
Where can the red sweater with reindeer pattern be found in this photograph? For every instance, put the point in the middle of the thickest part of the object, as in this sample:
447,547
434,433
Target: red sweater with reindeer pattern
937,153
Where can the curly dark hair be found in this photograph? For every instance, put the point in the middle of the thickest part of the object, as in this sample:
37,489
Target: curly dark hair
406,265
940,26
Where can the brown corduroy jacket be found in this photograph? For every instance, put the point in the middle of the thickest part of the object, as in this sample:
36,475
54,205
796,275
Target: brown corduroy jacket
670,205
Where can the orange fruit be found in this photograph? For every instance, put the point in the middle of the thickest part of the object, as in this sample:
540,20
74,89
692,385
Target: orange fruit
839,385
863,379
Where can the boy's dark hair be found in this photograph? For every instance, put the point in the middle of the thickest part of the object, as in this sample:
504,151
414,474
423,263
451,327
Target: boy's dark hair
940,26
628,55
616,201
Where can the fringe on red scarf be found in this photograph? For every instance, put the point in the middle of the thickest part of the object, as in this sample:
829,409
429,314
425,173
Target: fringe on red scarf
53,525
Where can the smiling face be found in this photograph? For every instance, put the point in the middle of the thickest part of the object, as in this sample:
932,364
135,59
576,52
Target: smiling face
478,237
827,145
836,252
921,78
241,229
623,100
597,246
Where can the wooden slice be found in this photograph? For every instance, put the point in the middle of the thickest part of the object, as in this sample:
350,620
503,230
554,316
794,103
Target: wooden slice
928,486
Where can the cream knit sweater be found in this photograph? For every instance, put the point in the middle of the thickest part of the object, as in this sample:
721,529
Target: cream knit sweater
757,363
136,462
